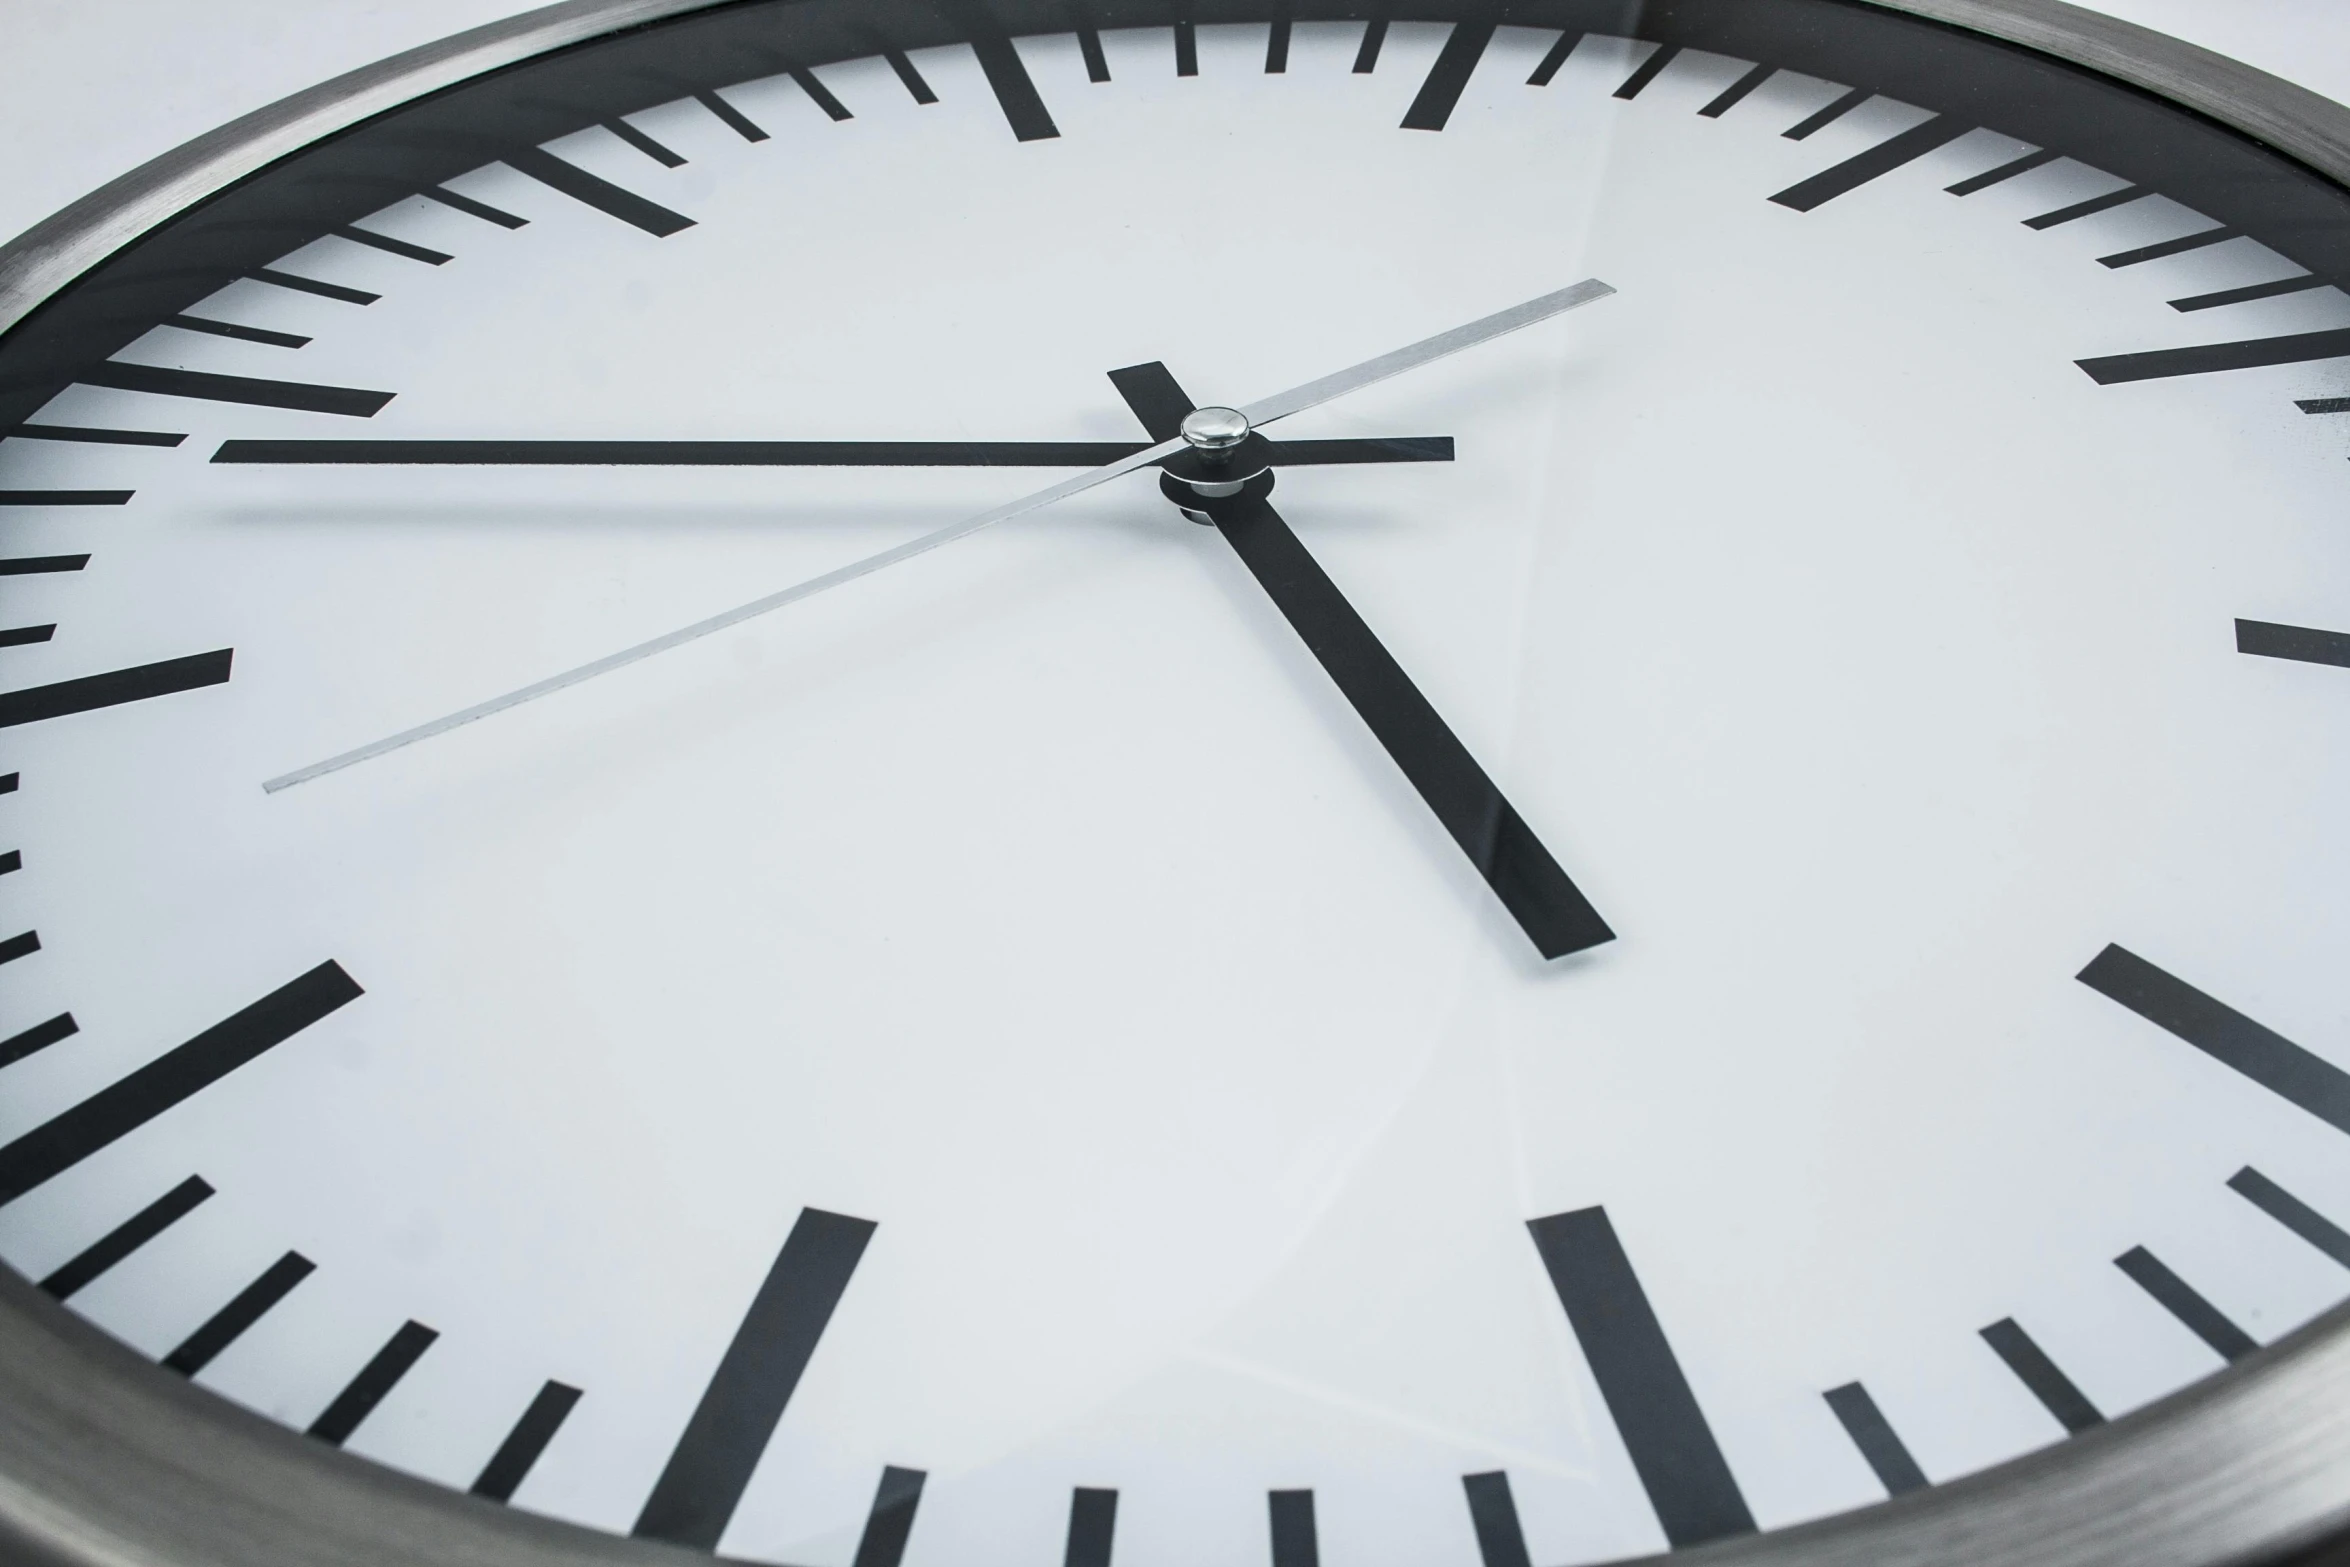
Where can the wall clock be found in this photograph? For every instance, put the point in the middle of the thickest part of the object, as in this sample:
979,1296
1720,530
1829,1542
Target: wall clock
991,782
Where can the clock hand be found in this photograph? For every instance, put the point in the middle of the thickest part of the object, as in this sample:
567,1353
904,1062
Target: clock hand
1539,895
1426,351
1296,400
922,545
791,454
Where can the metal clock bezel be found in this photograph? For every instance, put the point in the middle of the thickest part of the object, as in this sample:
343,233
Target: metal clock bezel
107,1462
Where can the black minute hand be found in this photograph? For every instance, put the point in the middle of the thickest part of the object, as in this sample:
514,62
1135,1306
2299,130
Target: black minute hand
1545,902
1312,394
789,454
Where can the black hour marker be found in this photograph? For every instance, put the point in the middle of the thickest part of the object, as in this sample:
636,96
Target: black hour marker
10,862
2176,1296
1553,59
177,1075
242,334
473,209
1277,48
69,432
19,636
1730,96
1015,93
128,1236
247,390
39,565
1449,76
1650,69
1097,64
250,1304
1093,1520
1493,1513
520,1451
912,78
603,195
2224,1034
23,945
891,1521
643,143
66,497
2088,209
1812,124
833,108
1688,1482
740,123
2244,296
395,247
1873,1434
2304,644
1294,1544
113,688
7,783
311,285
37,1038
1186,49
377,1378
2005,172
2298,348
1883,158
2169,247
1367,56
2291,1212
2036,1371
2323,405
712,1462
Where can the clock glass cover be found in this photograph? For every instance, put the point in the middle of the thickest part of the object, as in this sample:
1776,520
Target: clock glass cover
1006,1059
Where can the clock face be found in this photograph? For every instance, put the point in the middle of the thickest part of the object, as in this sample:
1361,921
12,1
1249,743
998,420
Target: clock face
1008,1055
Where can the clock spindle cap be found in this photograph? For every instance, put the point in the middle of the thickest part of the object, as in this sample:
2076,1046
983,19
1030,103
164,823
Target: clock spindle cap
1214,432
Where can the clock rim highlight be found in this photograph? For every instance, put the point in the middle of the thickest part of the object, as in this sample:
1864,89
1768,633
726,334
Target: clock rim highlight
104,1459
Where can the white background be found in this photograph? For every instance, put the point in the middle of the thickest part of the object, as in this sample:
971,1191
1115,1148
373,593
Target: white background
90,89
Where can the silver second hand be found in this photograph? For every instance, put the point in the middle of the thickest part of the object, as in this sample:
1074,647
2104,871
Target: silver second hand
1263,411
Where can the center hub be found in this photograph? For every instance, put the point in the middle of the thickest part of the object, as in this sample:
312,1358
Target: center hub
1221,454
1215,432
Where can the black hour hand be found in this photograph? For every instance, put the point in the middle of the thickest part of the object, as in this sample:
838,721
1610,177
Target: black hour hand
1539,894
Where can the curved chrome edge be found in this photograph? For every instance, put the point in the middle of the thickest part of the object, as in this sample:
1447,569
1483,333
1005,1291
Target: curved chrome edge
104,1462
61,247
2306,126
2247,1466
52,253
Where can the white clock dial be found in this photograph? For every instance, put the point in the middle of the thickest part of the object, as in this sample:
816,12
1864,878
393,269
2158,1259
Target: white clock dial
1008,1056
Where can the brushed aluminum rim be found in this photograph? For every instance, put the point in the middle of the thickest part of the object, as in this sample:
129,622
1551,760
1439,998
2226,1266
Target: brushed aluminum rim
105,1461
